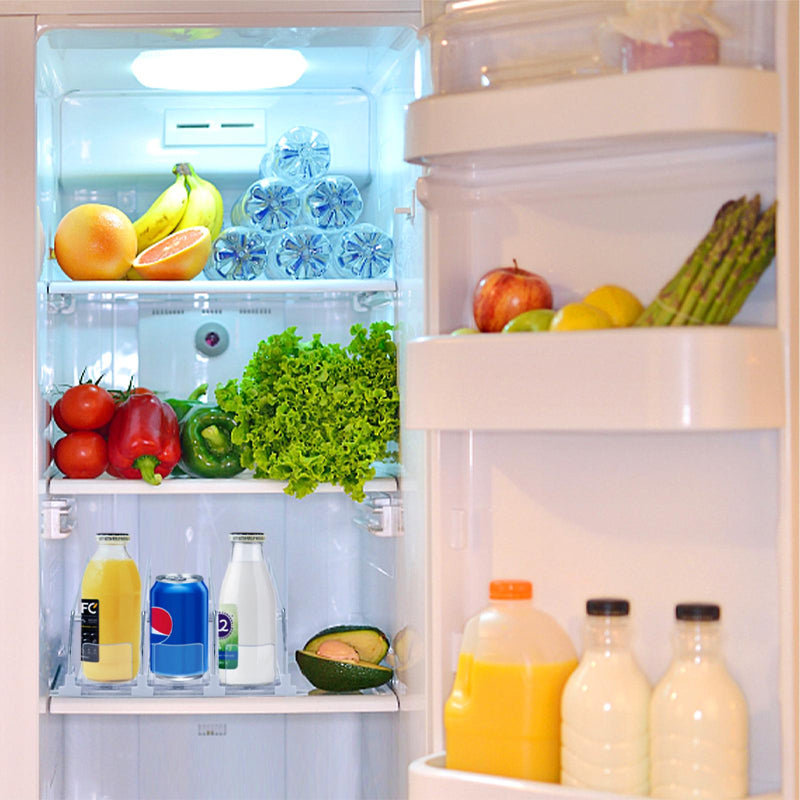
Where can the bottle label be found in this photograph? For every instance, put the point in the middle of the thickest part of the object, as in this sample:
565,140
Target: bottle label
90,630
228,635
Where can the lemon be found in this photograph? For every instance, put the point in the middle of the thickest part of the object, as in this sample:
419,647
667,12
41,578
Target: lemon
580,317
621,305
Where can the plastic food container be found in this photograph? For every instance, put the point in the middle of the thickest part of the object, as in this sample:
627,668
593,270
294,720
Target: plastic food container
499,43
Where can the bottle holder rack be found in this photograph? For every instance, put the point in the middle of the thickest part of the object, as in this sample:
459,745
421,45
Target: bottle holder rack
71,681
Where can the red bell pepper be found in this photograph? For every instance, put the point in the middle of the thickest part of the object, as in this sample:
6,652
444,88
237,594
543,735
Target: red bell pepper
144,439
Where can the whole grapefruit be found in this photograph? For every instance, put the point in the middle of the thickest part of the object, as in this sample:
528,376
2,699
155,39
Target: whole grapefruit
95,242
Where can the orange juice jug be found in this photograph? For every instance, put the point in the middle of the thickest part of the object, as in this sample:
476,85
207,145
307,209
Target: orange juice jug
111,593
503,716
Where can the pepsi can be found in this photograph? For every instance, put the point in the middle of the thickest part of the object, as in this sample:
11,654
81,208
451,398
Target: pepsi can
179,626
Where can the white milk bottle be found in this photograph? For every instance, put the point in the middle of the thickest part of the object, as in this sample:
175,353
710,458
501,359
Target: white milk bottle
698,716
605,708
247,619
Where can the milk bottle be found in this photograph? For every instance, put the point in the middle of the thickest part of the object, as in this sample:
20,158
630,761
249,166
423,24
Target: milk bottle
503,714
247,619
605,708
698,716
111,604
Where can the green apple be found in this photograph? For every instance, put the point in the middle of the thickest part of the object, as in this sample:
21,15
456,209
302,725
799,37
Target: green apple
537,319
464,331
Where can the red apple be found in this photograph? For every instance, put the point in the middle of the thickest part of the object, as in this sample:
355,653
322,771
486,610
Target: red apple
505,292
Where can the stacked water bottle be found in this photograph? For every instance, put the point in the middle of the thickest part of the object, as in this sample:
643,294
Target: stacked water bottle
299,222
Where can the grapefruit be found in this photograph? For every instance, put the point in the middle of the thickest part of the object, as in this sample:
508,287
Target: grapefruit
178,257
95,242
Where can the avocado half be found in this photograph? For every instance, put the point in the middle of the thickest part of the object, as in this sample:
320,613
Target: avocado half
332,675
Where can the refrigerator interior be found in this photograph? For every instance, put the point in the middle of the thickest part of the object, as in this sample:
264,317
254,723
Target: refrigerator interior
102,137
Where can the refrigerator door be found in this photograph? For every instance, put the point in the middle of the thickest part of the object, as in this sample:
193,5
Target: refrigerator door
611,463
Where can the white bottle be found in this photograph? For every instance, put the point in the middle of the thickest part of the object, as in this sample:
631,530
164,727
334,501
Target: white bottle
247,619
698,716
605,708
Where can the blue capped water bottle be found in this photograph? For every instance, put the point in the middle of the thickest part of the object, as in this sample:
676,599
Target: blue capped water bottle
238,254
300,156
363,251
300,253
270,204
333,202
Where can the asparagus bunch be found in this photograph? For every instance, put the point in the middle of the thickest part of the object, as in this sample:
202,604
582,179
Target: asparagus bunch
717,277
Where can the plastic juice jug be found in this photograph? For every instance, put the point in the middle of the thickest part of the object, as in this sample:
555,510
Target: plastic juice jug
111,603
698,716
504,713
247,619
605,708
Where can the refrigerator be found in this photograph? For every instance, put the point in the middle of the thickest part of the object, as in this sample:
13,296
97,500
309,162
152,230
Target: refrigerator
655,464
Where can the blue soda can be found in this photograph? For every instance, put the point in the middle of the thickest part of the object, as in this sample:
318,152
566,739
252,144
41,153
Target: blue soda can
179,626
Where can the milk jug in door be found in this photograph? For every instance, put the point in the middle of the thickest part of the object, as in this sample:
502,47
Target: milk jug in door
605,708
247,620
698,716
503,714
111,595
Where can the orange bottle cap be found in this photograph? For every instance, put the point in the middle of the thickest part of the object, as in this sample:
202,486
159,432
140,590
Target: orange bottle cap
510,590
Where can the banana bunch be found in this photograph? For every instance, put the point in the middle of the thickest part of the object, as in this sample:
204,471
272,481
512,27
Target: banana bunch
188,201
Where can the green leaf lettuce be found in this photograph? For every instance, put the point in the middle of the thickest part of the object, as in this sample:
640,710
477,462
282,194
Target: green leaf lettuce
311,413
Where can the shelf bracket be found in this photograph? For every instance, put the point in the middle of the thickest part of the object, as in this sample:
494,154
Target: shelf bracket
57,517
383,517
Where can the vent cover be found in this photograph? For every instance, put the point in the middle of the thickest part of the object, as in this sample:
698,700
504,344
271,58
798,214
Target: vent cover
202,126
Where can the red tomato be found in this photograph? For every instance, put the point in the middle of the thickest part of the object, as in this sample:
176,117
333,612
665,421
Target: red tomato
87,407
82,454
58,417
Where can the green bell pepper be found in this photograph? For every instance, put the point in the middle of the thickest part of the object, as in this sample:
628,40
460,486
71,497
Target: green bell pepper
183,407
206,447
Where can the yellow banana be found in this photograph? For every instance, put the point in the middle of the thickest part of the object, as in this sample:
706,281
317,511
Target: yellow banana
202,206
220,209
163,215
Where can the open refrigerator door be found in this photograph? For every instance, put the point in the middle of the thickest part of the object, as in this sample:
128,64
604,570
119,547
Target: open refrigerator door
655,463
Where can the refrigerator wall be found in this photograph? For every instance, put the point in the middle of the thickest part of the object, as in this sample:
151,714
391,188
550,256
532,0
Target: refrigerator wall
658,465
100,137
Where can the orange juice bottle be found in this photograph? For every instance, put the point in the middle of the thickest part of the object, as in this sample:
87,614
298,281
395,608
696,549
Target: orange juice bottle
503,716
111,593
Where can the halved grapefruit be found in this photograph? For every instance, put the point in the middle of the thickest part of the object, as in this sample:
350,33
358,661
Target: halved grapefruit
178,257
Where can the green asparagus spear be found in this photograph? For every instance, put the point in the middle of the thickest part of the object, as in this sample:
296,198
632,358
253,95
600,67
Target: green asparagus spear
666,304
749,280
715,255
748,263
714,283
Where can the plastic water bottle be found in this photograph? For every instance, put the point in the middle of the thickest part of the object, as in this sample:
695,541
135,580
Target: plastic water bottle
270,204
299,253
333,202
238,254
300,156
363,251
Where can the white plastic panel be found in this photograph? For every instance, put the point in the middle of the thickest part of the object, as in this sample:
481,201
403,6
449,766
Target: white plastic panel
428,779
705,378
646,111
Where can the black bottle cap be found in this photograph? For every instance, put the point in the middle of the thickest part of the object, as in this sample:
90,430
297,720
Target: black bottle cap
697,612
607,607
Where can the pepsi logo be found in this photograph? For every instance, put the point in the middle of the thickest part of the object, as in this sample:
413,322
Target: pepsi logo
160,624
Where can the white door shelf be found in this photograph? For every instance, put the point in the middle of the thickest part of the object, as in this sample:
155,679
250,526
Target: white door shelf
620,114
428,779
634,379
